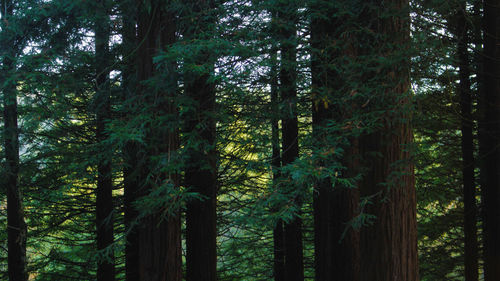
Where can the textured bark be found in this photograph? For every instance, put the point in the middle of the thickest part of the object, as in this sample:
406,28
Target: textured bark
104,198
201,172
158,249
467,144
16,227
490,138
389,246
336,246
286,17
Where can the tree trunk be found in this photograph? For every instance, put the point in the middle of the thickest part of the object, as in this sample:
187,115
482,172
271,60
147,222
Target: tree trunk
158,235
468,165
201,168
287,18
336,245
104,198
490,138
16,227
389,245
278,241
131,148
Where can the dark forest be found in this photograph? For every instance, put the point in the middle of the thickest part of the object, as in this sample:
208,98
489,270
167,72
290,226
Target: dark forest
285,140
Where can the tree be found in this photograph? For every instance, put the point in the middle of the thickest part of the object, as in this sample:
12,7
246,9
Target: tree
104,197
467,145
389,245
201,165
278,243
489,131
286,16
16,226
336,243
158,229
130,148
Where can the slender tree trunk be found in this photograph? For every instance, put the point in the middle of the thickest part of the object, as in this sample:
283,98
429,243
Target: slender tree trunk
490,138
286,17
104,197
389,246
158,236
16,227
336,245
469,192
279,258
131,148
201,168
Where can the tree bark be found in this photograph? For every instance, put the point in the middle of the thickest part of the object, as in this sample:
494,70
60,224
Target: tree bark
16,226
201,167
389,245
159,253
467,145
336,245
287,18
104,197
489,139
131,148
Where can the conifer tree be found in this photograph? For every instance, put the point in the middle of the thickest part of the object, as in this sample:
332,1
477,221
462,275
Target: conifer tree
389,245
336,244
16,226
158,225
287,17
489,139
104,197
467,145
200,174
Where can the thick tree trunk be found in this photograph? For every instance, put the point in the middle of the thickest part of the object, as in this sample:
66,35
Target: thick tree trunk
336,246
286,17
158,237
16,227
389,246
201,167
490,138
468,165
104,198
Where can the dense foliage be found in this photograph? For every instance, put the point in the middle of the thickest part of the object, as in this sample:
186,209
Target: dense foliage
173,95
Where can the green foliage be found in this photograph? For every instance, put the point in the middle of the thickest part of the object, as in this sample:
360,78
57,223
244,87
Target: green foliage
56,82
